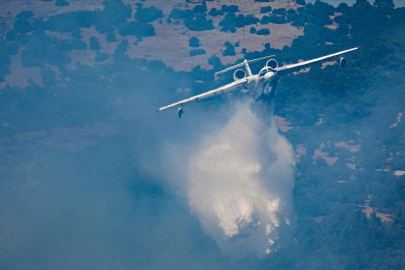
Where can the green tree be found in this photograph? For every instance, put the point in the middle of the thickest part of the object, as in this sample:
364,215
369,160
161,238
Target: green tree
230,49
94,44
265,9
194,42
197,52
384,4
263,32
147,15
61,3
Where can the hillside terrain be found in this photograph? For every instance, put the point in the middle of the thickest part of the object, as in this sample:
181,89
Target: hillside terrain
79,81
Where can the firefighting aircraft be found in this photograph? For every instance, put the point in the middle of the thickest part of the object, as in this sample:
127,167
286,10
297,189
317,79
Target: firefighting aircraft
258,85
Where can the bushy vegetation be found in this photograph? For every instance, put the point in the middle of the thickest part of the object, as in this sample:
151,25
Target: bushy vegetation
94,44
265,9
224,9
61,3
194,42
215,61
279,19
229,49
136,29
231,22
263,32
101,57
194,21
196,52
147,15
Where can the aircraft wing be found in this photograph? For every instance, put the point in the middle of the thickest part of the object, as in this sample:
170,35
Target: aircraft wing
295,67
233,86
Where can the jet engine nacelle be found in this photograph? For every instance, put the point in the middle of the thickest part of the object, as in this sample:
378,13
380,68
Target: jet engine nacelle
342,61
180,112
272,63
239,74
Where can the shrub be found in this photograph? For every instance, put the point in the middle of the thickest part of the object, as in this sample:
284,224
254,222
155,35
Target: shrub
61,3
265,9
196,52
273,19
113,15
213,12
231,21
136,29
24,15
100,57
178,14
194,42
146,15
230,49
94,44
279,11
263,32
231,8
292,15
299,21
200,9
214,61
199,23
111,37
23,26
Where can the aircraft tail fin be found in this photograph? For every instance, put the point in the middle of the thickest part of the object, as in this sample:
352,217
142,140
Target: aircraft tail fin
243,63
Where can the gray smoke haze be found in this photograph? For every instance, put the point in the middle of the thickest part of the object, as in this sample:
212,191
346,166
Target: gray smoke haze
239,183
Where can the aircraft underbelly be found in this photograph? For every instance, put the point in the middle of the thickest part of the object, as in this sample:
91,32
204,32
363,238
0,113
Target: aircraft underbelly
266,89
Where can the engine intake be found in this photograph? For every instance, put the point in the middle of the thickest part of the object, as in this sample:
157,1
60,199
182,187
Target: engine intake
180,112
239,74
342,61
272,63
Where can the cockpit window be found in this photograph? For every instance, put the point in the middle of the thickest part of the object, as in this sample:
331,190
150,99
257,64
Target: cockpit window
263,71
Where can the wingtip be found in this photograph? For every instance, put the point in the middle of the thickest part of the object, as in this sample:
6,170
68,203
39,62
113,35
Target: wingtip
358,47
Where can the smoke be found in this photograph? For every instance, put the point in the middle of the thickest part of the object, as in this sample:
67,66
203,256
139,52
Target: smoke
240,182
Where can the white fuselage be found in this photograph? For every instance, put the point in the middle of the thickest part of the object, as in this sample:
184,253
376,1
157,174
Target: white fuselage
263,83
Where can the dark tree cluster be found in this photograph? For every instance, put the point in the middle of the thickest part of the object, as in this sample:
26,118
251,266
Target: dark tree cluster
229,49
265,9
147,15
197,52
231,22
263,32
224,9
136,29
114,16
29,31
194,42
278,19
279,16
193,20
61,3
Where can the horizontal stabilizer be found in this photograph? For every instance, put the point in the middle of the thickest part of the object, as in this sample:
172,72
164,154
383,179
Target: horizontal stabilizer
243,63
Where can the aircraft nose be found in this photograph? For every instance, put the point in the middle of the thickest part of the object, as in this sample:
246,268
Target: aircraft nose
268,76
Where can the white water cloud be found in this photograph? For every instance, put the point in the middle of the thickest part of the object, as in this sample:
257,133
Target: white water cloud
240,182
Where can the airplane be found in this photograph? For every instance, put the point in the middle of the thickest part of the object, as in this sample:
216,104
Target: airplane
259,85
